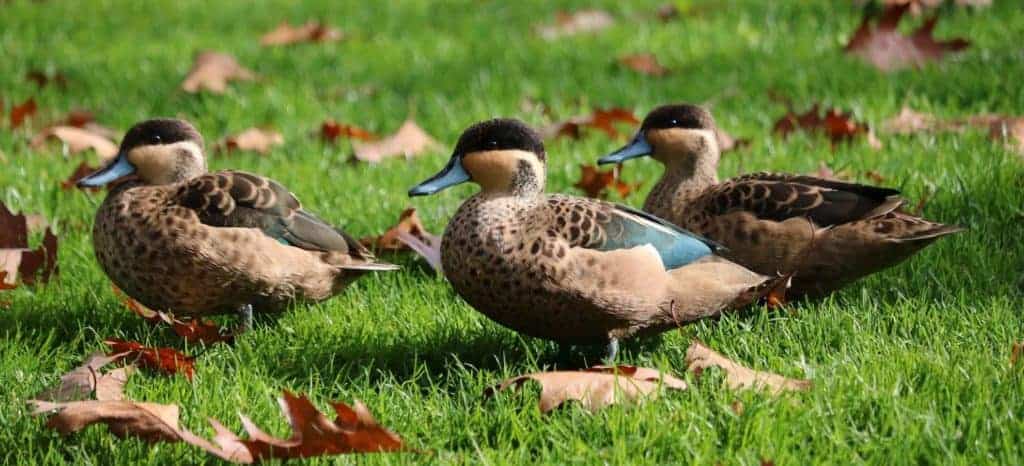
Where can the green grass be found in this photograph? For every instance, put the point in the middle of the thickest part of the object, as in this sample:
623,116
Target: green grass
910,366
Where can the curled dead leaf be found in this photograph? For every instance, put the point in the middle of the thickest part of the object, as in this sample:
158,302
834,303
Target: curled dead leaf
577,22
86,380
882,45
195,330
166,360
409,141
408,233
596,183
331,130
595,388
644,63
256,140
149,421
700,357
212,71
312,31
16,259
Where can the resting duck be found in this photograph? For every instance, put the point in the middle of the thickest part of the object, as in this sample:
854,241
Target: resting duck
827,233
178,238
568,269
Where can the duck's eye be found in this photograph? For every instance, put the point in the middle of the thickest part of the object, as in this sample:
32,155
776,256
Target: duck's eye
154,139
674,122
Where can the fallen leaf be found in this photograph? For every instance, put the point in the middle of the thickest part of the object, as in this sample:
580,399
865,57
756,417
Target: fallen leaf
77,140
1001,128
594,388
837,125
728,143
909,121
825,172
195,330
137,308
577,22
312,31
166,360
409,141
149,421
21,112
1010,131
700,357
4,285
874,176
85,380
596,183
41,78
86,120
16,259
253,139
667,12
601,119
408,233
737,407
883,46
644,63
1015,352
81,171
212,71
331,130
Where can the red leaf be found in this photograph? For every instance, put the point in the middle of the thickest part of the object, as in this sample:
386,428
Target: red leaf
21,112
192,330
167,360
644,63
16,258
837,125
42,79
596,183
331,130
601,119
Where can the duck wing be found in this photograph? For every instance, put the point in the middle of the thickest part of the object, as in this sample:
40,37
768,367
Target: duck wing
244,200
604,226
778,197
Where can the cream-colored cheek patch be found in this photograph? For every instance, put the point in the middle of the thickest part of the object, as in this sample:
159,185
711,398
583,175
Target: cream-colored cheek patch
495,169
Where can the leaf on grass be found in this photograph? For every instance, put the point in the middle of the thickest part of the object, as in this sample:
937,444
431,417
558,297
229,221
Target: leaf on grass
1001,128
212,71
408,233
826,173
331,130
16,259
700,357
644,63
149,421
21,112
1009,130
596,387
41,78
1015,352
837,125
166,360
77,140
577,22
4,284
596,183
253,139
601,119
667,12
195,330
883,46
312,31
409,141
84,381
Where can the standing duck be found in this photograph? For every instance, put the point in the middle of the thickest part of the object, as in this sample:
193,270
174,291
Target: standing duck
176,237
827,233
569,269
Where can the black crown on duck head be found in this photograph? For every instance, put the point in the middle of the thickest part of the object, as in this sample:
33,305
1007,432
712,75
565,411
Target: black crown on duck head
500,134
160,131
685,116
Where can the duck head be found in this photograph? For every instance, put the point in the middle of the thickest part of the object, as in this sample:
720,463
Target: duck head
503,156
158,151
681,134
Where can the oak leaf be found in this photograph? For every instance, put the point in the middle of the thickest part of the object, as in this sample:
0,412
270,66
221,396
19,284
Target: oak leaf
600,119
253,139
22,111
331,130
577,22
194,330
16,259
312,31
644,63
596,183
883,46
409,141
700,357
408,233
212,71
86,380
166,360
149,421
595,388
837,125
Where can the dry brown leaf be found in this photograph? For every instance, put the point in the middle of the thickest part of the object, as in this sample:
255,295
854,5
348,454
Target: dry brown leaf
331,130
23,111
41,78
604,120
596,183
195,330
85,380
212,71
166,360
407,234
837,125
1001,128
1015,352
85,119
577,22
409,141
253,139
149,421
644,63
312,31
594,388
826,173
16,259
77,140
883,46
667,12
700,357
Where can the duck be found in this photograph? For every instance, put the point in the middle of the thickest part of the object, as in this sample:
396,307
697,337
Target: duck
176,237
576,271
827,233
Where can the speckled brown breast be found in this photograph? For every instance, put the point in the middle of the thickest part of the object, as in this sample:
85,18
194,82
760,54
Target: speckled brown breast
506,257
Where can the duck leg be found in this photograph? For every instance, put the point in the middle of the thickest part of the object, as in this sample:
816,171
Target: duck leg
245,319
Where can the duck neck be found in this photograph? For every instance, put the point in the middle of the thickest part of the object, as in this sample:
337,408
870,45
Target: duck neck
684,178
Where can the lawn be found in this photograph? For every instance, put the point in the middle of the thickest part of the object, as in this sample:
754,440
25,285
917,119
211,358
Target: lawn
910,366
